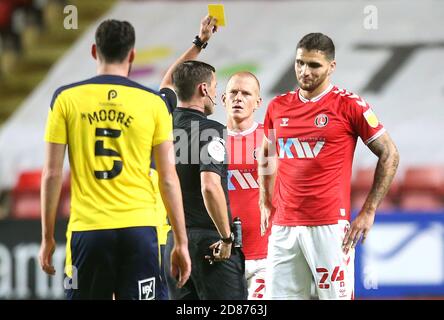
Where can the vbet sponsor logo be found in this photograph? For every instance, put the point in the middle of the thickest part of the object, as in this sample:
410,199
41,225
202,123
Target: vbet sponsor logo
299,147
244,179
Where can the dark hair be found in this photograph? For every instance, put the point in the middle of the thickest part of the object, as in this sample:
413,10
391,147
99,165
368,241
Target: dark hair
318,41
188,75
114,39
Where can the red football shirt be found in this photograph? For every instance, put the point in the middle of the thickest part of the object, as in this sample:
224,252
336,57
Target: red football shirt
315,142
243,188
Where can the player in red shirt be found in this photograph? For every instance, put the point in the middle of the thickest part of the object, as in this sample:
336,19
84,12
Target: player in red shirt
241,99
311,134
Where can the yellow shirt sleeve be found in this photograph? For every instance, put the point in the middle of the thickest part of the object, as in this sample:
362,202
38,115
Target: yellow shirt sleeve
164,125
56,126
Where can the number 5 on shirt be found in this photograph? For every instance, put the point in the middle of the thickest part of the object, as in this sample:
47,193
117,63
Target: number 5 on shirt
100,150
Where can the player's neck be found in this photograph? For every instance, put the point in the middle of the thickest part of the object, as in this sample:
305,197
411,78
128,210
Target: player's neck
316,92
113,69
239,126
195,103
193,107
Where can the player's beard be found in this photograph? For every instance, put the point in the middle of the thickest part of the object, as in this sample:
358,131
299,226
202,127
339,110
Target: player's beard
310,87
209,106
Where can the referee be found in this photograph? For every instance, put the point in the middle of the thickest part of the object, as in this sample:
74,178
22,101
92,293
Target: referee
218,269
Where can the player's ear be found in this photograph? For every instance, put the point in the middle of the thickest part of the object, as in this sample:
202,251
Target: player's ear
94,51
132,55
202,89
332,67
223,98
258,103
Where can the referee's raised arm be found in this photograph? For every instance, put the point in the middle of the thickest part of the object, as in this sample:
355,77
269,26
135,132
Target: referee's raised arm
207,28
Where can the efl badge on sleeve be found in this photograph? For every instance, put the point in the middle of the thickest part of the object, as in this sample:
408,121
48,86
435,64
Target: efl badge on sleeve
216,149
371,118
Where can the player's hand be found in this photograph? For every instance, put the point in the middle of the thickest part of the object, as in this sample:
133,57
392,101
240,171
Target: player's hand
47,249
265,208
207,28
180,264
221,251
359,227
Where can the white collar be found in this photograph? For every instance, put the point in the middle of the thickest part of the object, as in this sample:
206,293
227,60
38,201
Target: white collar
318,97
243,133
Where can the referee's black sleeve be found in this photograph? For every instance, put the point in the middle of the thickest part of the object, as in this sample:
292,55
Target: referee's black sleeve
170,98
213,154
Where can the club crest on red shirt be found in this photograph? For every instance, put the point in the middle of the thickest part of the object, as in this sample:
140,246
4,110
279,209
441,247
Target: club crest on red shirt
321,120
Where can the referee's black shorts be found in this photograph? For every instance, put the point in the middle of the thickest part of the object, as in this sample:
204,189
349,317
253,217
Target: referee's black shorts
124,262
223,280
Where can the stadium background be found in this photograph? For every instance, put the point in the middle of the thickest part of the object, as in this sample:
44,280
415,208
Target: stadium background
390,52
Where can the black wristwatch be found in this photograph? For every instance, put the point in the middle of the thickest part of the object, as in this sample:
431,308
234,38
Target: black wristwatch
198,43
228,240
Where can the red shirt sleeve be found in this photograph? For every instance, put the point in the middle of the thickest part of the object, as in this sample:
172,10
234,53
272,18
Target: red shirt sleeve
363,120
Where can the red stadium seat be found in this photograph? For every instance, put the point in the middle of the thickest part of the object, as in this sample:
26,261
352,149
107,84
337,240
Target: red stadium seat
361,184
6,9
26,196
421,202
423,189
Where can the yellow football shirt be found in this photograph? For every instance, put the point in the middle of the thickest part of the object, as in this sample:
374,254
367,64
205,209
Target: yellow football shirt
162,230
110,125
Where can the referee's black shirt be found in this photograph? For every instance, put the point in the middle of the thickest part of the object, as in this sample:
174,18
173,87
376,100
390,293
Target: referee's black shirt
200,146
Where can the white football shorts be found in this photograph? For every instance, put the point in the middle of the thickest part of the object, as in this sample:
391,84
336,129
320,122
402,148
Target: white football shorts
255,274
298,254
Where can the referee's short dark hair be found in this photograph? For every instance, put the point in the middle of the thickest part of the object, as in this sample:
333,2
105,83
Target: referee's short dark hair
188,75
114,39
318,41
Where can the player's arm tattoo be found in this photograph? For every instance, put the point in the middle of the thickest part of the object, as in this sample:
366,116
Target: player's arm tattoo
388,155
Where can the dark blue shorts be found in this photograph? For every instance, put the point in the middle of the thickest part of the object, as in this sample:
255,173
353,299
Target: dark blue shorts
163,285
120,262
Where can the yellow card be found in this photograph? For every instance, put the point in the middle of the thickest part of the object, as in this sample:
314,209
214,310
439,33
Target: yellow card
217,11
